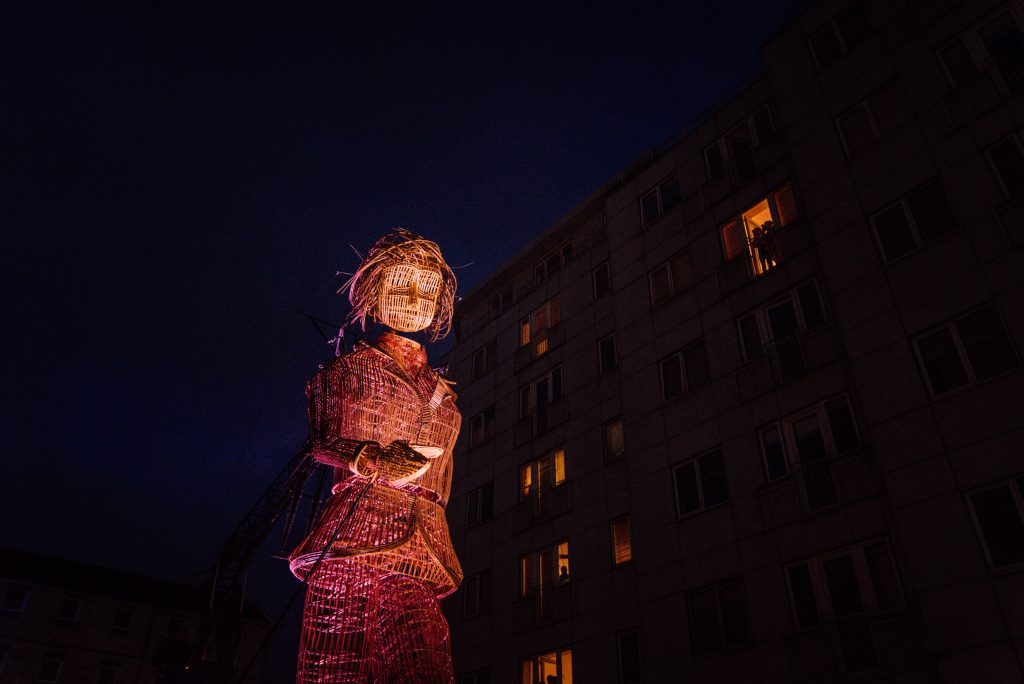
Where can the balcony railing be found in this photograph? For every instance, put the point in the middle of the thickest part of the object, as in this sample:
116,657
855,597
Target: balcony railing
788,358
1011,219
543,505
818,484
538,346
742,168
543,417
784,243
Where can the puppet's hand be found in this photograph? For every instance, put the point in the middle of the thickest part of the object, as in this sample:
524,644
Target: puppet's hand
397,463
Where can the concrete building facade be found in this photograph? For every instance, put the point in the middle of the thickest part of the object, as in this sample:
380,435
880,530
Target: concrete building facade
752,411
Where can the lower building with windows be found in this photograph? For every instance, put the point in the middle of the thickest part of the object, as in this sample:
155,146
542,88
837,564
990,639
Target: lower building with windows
752,410
64,621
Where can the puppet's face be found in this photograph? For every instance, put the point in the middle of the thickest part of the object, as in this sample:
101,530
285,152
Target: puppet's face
408,297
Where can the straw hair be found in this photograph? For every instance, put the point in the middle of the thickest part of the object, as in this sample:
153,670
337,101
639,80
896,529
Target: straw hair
400,246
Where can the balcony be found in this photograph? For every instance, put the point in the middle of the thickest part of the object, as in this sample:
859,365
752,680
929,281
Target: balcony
1011,220
857,645
544,505
543,418
540,345
787,241
789,358
742,168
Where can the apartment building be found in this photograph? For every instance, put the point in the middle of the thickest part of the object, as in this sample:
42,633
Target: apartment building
753,410
65,621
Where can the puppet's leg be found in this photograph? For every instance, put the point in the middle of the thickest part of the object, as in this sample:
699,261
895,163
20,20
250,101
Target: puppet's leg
335,644
412,644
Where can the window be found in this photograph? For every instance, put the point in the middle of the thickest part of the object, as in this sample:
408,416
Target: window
718,617
541,392
553,263
752,233
622,542
50,669
969,350
485,359
701,483
873,118
534,328
775,328
614,439
685,371
480,504
917,219
542,474
660,200
958,63
503,301
481,427
69,609
124,618
482,676
544,569
602,276
1004,42
735,145
606,353
1008,163
630,671
476,594
805,440
670,278
858,580
550,667
841,36
15,598
109,670
999,514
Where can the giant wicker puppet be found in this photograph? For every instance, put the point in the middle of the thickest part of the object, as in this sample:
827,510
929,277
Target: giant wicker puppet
380,557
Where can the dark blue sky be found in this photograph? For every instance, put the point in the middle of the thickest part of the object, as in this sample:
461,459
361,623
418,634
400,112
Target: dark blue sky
178,182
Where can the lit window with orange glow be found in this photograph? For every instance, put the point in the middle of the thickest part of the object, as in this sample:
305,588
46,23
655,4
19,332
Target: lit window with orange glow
752,233
542,474
549,667
622,541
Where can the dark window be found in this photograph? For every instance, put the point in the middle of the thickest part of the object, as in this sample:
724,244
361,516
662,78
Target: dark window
50,669
614,439
482,427
1005,43
774,453
921,217
810,305
713,157
685,371
15,599
476,677
972,349
69,609
802,590
552,263
844,430
124,618
660,200
841,36
485,359
843,589
108,673
751,338
630,671
606,353
476,594
1000,515
958,62
857,130
1009,165
480,504
718,617
884,580
671,278
890,108
602,280
701,483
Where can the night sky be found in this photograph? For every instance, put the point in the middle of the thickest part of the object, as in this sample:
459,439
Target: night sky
177,183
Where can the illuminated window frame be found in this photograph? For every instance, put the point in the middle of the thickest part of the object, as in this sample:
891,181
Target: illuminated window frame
542,474
541,570
534,328
740,223
533,670
622,540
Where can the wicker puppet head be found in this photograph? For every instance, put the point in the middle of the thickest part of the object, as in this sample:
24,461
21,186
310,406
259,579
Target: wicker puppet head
405,284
